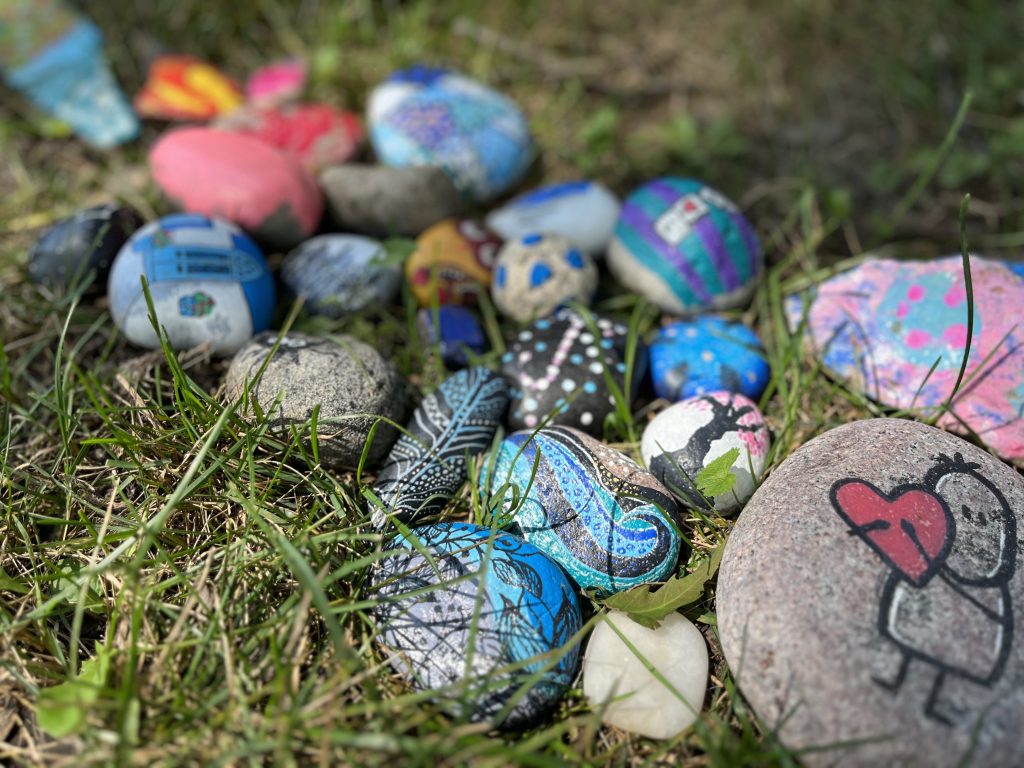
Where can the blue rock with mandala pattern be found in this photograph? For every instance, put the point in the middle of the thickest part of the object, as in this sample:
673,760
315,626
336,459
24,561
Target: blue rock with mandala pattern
596,512
428,463
483,617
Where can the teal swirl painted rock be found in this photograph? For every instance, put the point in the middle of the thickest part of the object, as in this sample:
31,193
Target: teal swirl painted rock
596,512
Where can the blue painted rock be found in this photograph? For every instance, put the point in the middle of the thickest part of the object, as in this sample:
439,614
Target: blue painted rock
209,283
595,511
683,439
707,354
435,117
557,367
454,330
486,615
536,274
82,246
685,247
583,211
428,465
340,274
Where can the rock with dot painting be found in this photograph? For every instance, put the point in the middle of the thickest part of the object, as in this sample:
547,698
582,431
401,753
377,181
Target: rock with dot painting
897,331
452,263
686,437
427,465
869,600
557,368
707,354
601,516
482,619
685,247
454,331
538,273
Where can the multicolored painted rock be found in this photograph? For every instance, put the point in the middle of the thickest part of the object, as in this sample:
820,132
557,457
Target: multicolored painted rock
685,247
454,330
339,275
557,369
209,283
277,83
897,332
238,178
593,510
186,88
537,274
427,116
427,466
583,211
452,263
486,616
708,354
683,439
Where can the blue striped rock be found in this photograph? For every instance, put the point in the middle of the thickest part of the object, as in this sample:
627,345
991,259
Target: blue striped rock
596,512
428,464
483,617
685,247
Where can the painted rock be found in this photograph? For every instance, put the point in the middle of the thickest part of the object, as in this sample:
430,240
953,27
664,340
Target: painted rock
454,330
619,684
389,202
685,247
557,368
452,263
434,117
595,511
185,88
582,211
349,382
487,614
427,466
708,354
82,247
280,82
684,438
897,330
869,600
340,274
536,274
316,135
238,178
209,283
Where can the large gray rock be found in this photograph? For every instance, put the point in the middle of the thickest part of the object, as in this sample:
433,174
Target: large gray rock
869,595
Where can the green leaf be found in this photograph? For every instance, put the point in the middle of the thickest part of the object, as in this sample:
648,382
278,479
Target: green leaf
61,709
716,478
649,608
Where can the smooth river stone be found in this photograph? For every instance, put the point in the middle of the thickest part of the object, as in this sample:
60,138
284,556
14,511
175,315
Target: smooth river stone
452,263
488,596
594,510
427,466
349,381
620,686
883,325
869,600
684,438
537,274
685,247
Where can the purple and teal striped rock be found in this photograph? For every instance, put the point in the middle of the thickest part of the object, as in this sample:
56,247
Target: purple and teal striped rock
685,247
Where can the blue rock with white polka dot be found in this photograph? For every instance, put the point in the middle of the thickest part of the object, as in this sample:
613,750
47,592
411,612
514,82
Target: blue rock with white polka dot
706,355
556,371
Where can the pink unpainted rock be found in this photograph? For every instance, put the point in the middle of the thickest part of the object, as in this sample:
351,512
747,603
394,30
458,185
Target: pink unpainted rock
241,179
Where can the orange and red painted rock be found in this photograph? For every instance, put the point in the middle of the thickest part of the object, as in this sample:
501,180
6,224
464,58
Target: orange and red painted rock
186,88
452,262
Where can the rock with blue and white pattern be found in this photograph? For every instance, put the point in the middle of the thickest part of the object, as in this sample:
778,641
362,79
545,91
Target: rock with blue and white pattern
601,516
428,463
538,273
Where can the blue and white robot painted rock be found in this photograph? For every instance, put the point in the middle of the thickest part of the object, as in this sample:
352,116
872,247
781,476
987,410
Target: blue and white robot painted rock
209,283
454,330
487,594
583,211
427,116
340,274
685,247
592,509
708,354
428,464
537,274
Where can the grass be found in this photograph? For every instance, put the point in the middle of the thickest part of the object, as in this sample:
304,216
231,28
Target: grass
191,591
